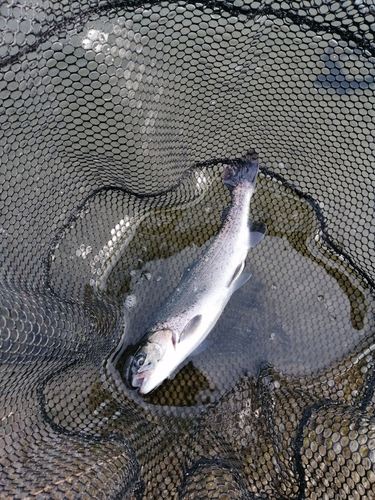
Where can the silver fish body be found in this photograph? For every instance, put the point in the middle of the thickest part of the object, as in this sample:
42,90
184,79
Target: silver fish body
192,310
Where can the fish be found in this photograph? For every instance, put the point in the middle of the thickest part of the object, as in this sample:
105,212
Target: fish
189,314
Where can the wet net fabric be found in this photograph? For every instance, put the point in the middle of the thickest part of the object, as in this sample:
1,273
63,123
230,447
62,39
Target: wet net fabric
117,120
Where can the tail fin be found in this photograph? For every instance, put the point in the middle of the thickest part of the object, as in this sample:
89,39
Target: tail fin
240,171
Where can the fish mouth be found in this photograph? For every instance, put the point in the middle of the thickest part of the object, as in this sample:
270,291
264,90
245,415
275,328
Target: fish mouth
142,382
130,375
138,381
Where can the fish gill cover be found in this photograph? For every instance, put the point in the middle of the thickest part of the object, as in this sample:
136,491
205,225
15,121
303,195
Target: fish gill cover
116,122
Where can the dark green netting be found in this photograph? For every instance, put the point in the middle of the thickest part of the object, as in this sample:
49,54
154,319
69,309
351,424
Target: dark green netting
117,119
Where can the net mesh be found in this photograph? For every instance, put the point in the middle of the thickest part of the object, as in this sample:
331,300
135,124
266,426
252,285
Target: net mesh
117,119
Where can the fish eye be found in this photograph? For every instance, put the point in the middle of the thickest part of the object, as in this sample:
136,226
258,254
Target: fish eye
139,360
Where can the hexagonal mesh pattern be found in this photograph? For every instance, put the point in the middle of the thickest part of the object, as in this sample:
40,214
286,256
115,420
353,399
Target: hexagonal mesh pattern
117,120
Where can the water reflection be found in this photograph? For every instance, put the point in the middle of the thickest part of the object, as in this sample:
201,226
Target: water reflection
304,308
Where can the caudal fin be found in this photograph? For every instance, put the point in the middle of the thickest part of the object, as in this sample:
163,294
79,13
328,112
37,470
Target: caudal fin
241,171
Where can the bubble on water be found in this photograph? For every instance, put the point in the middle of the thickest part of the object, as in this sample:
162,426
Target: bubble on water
83,251
130,301
86,43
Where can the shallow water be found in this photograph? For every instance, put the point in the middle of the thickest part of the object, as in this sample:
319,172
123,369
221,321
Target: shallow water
304,308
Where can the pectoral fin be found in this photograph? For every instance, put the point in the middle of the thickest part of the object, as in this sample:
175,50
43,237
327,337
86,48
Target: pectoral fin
190,327
241,280
257,231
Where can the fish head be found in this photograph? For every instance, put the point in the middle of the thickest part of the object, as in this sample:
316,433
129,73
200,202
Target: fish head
145,369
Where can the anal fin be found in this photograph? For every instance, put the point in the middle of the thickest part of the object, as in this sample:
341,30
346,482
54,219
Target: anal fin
257,231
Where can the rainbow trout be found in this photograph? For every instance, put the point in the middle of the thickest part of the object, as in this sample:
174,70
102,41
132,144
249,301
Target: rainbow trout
192,310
